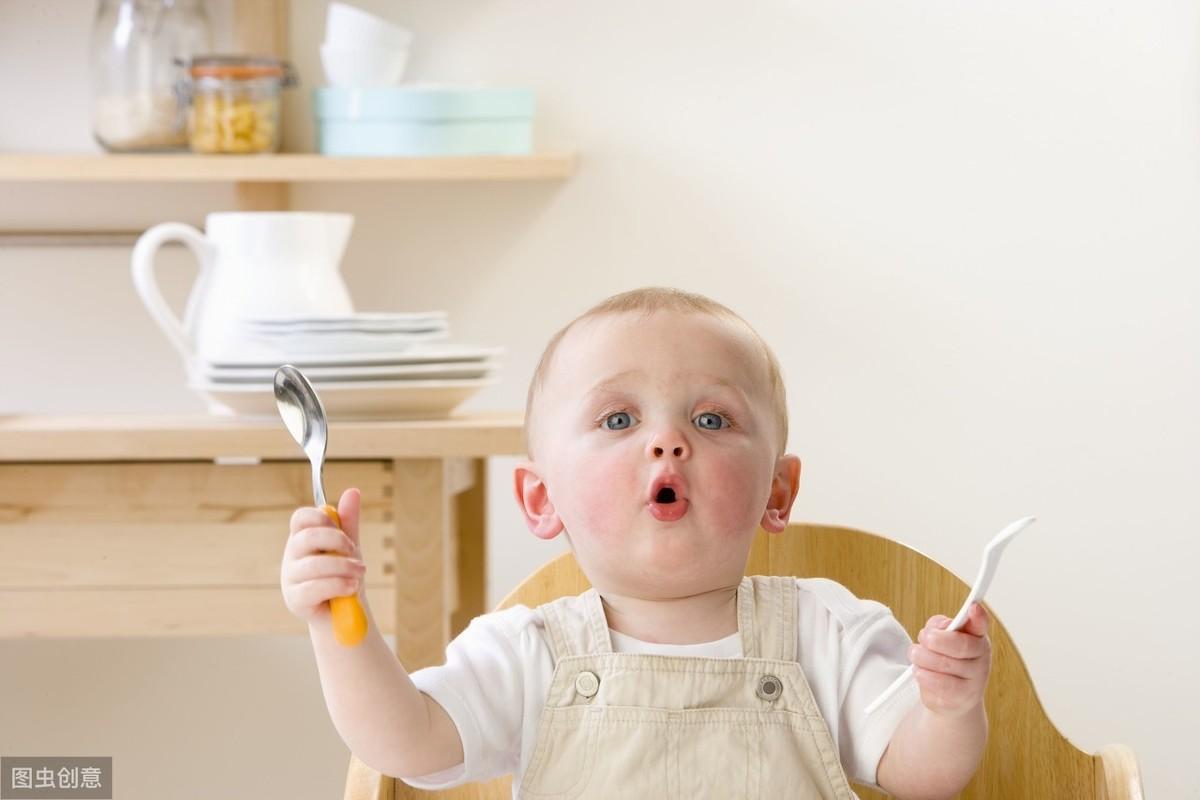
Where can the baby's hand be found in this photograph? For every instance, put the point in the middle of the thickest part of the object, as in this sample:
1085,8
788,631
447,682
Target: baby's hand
321,562
951,667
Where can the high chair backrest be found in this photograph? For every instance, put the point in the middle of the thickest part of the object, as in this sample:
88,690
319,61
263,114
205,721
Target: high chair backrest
1026,756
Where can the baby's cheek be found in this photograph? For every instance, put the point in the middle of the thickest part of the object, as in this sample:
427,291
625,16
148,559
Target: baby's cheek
742,499
604,496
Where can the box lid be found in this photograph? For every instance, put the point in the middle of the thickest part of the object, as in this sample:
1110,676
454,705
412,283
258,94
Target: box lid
423,103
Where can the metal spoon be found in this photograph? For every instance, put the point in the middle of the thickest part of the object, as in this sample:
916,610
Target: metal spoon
304,416
987,570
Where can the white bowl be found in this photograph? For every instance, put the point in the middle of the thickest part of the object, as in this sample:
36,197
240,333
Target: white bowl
363,66
349,26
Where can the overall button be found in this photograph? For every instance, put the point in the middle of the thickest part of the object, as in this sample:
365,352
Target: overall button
769,688
587,684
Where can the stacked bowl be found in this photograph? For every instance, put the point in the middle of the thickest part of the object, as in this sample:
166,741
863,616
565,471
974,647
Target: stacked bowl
363,50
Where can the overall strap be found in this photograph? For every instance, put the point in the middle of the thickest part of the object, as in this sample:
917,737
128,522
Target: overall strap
767,617
577,625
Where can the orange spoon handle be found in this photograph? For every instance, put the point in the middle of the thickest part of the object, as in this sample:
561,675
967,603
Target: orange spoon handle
349,619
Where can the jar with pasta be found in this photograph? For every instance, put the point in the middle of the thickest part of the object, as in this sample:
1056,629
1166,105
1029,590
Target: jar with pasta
235,103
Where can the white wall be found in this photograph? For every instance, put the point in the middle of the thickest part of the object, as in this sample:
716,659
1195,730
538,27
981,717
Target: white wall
967,228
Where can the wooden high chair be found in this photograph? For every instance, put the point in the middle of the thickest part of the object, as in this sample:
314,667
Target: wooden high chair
1026,756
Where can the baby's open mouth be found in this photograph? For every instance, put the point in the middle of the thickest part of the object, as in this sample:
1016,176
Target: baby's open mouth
669,504
667,500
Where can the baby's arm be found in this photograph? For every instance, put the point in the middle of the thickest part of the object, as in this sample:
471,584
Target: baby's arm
380,714
382,717
936,748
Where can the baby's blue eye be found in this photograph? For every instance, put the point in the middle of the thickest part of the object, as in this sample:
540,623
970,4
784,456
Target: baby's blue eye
618,414
716,421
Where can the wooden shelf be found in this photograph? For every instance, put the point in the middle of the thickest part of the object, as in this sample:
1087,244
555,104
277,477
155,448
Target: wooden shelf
278,168
261,183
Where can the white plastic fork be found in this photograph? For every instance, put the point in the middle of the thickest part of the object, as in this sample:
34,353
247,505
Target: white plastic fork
991,558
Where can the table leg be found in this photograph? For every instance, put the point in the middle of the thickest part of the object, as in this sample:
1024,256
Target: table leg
423,549
471,515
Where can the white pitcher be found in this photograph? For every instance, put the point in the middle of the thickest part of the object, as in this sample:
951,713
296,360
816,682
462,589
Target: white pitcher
252,264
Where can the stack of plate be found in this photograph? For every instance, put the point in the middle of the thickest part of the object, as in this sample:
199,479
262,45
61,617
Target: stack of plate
364,366
358,333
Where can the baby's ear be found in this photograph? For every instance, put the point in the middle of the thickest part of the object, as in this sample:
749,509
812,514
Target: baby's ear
535,503
785,484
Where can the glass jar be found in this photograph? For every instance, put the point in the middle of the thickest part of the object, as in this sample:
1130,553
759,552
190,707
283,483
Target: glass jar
235,103
135,49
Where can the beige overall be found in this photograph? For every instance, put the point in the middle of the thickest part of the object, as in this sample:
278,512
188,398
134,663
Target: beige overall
654,726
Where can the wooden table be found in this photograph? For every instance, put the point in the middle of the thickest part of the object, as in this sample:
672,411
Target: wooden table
114,526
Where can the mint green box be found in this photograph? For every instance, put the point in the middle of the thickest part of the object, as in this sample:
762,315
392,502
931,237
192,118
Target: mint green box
423,121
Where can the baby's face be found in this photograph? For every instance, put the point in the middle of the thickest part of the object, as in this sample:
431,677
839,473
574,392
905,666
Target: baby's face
630,403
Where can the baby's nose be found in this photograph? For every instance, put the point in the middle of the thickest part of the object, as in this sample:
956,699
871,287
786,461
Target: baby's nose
672,443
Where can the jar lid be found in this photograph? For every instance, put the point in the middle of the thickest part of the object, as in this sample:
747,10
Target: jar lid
241,68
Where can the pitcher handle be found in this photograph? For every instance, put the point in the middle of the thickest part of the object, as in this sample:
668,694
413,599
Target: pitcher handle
147,287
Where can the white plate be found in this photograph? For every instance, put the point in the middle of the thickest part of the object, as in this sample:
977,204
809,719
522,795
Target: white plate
348,325
433,317
453,371
366,327
418,354
346,342
375,400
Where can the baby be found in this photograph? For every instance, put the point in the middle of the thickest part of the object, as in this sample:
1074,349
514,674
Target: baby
656,426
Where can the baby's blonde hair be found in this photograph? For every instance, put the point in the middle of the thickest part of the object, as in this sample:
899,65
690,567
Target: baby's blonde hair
647,301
